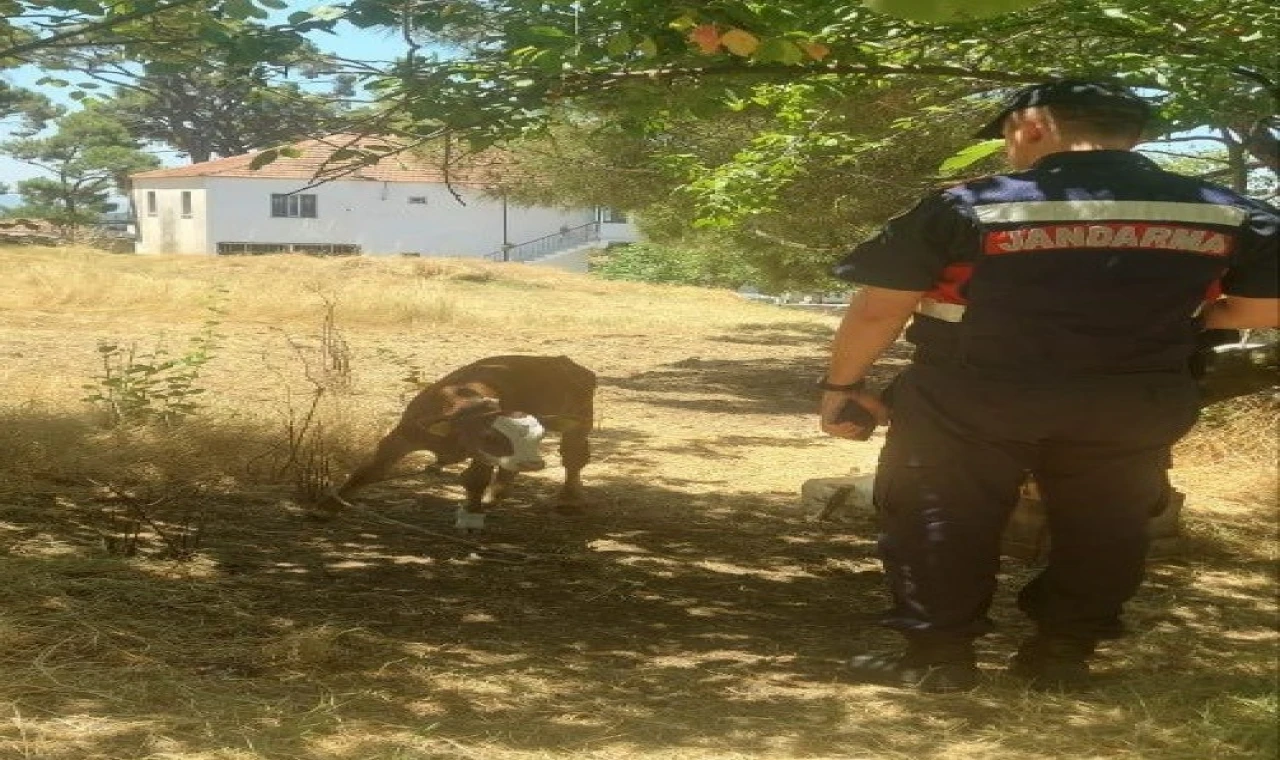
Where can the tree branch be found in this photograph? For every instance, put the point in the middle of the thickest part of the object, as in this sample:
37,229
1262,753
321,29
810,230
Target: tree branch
101,26
1192,156
1271,87
1201,138
781,69
1260,141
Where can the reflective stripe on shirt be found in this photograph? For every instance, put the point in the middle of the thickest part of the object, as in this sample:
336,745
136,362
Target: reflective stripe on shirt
1094,211
947,312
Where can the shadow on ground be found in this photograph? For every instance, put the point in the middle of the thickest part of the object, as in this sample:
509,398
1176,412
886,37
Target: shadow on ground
779,334
661,620
780,385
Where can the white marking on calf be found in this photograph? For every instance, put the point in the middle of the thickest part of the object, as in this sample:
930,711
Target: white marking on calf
525,433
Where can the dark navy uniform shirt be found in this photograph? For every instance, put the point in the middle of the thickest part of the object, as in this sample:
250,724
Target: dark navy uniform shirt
1092,262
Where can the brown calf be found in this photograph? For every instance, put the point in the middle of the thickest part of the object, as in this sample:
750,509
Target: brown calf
494,412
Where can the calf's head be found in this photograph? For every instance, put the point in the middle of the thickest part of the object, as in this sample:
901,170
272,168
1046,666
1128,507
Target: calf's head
474,425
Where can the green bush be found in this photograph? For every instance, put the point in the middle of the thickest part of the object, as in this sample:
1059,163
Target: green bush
709,266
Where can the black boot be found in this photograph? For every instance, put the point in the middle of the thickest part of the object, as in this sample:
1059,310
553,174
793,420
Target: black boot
1054,663
927,665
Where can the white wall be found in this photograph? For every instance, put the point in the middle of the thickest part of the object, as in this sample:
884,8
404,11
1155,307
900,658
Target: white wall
167,230
378,217
618,232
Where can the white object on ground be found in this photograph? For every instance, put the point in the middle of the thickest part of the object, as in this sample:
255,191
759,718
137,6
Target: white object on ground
834,498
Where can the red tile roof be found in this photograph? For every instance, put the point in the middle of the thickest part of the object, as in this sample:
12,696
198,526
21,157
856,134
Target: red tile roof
316,162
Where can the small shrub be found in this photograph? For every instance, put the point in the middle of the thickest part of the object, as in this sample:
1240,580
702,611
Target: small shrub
644,262
327,363
137,387
335,353
707,266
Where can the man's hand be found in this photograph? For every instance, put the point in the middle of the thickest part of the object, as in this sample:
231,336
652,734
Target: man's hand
833,401
874,320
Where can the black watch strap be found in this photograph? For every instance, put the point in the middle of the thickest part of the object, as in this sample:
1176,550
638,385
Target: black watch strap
860,385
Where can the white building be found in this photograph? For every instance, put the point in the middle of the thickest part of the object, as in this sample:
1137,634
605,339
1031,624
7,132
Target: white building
400,205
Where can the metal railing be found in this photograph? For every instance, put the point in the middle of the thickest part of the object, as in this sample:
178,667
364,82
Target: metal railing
549,244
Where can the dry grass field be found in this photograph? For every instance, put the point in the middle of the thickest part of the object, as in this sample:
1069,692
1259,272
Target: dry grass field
164,594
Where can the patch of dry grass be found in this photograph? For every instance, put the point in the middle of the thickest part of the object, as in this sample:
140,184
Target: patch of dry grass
693,614
1229,463
392,292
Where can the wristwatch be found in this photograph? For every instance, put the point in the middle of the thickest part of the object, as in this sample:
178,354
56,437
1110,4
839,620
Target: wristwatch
860,385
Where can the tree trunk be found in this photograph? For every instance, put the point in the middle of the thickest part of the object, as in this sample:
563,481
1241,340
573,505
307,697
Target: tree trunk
1261,142
1237,162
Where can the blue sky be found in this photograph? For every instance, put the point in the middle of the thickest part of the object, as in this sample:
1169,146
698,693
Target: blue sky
349,42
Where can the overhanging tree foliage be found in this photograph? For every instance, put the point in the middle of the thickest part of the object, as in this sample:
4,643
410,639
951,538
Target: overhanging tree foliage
781,185
487,71
524,62
157,32
760,121
514,65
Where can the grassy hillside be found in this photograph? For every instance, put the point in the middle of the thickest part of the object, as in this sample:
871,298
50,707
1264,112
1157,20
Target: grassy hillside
167,596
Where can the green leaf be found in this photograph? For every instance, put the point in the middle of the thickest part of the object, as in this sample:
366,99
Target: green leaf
779,50
242,9
548,31
264,158
969,156
683,23
327,12
619,44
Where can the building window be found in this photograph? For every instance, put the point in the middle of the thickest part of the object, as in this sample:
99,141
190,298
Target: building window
152,210
315,249
293,205
186,204
611,215
419,200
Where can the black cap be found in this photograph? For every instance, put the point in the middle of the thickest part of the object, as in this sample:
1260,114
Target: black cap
1078,92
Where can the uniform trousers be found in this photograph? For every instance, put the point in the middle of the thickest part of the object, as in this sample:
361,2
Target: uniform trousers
960,446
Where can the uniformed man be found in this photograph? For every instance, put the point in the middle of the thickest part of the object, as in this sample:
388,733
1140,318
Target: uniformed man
1054,311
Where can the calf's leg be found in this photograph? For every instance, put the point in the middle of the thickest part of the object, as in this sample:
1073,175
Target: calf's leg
498,488
575,452
486,487
391,449
475,480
